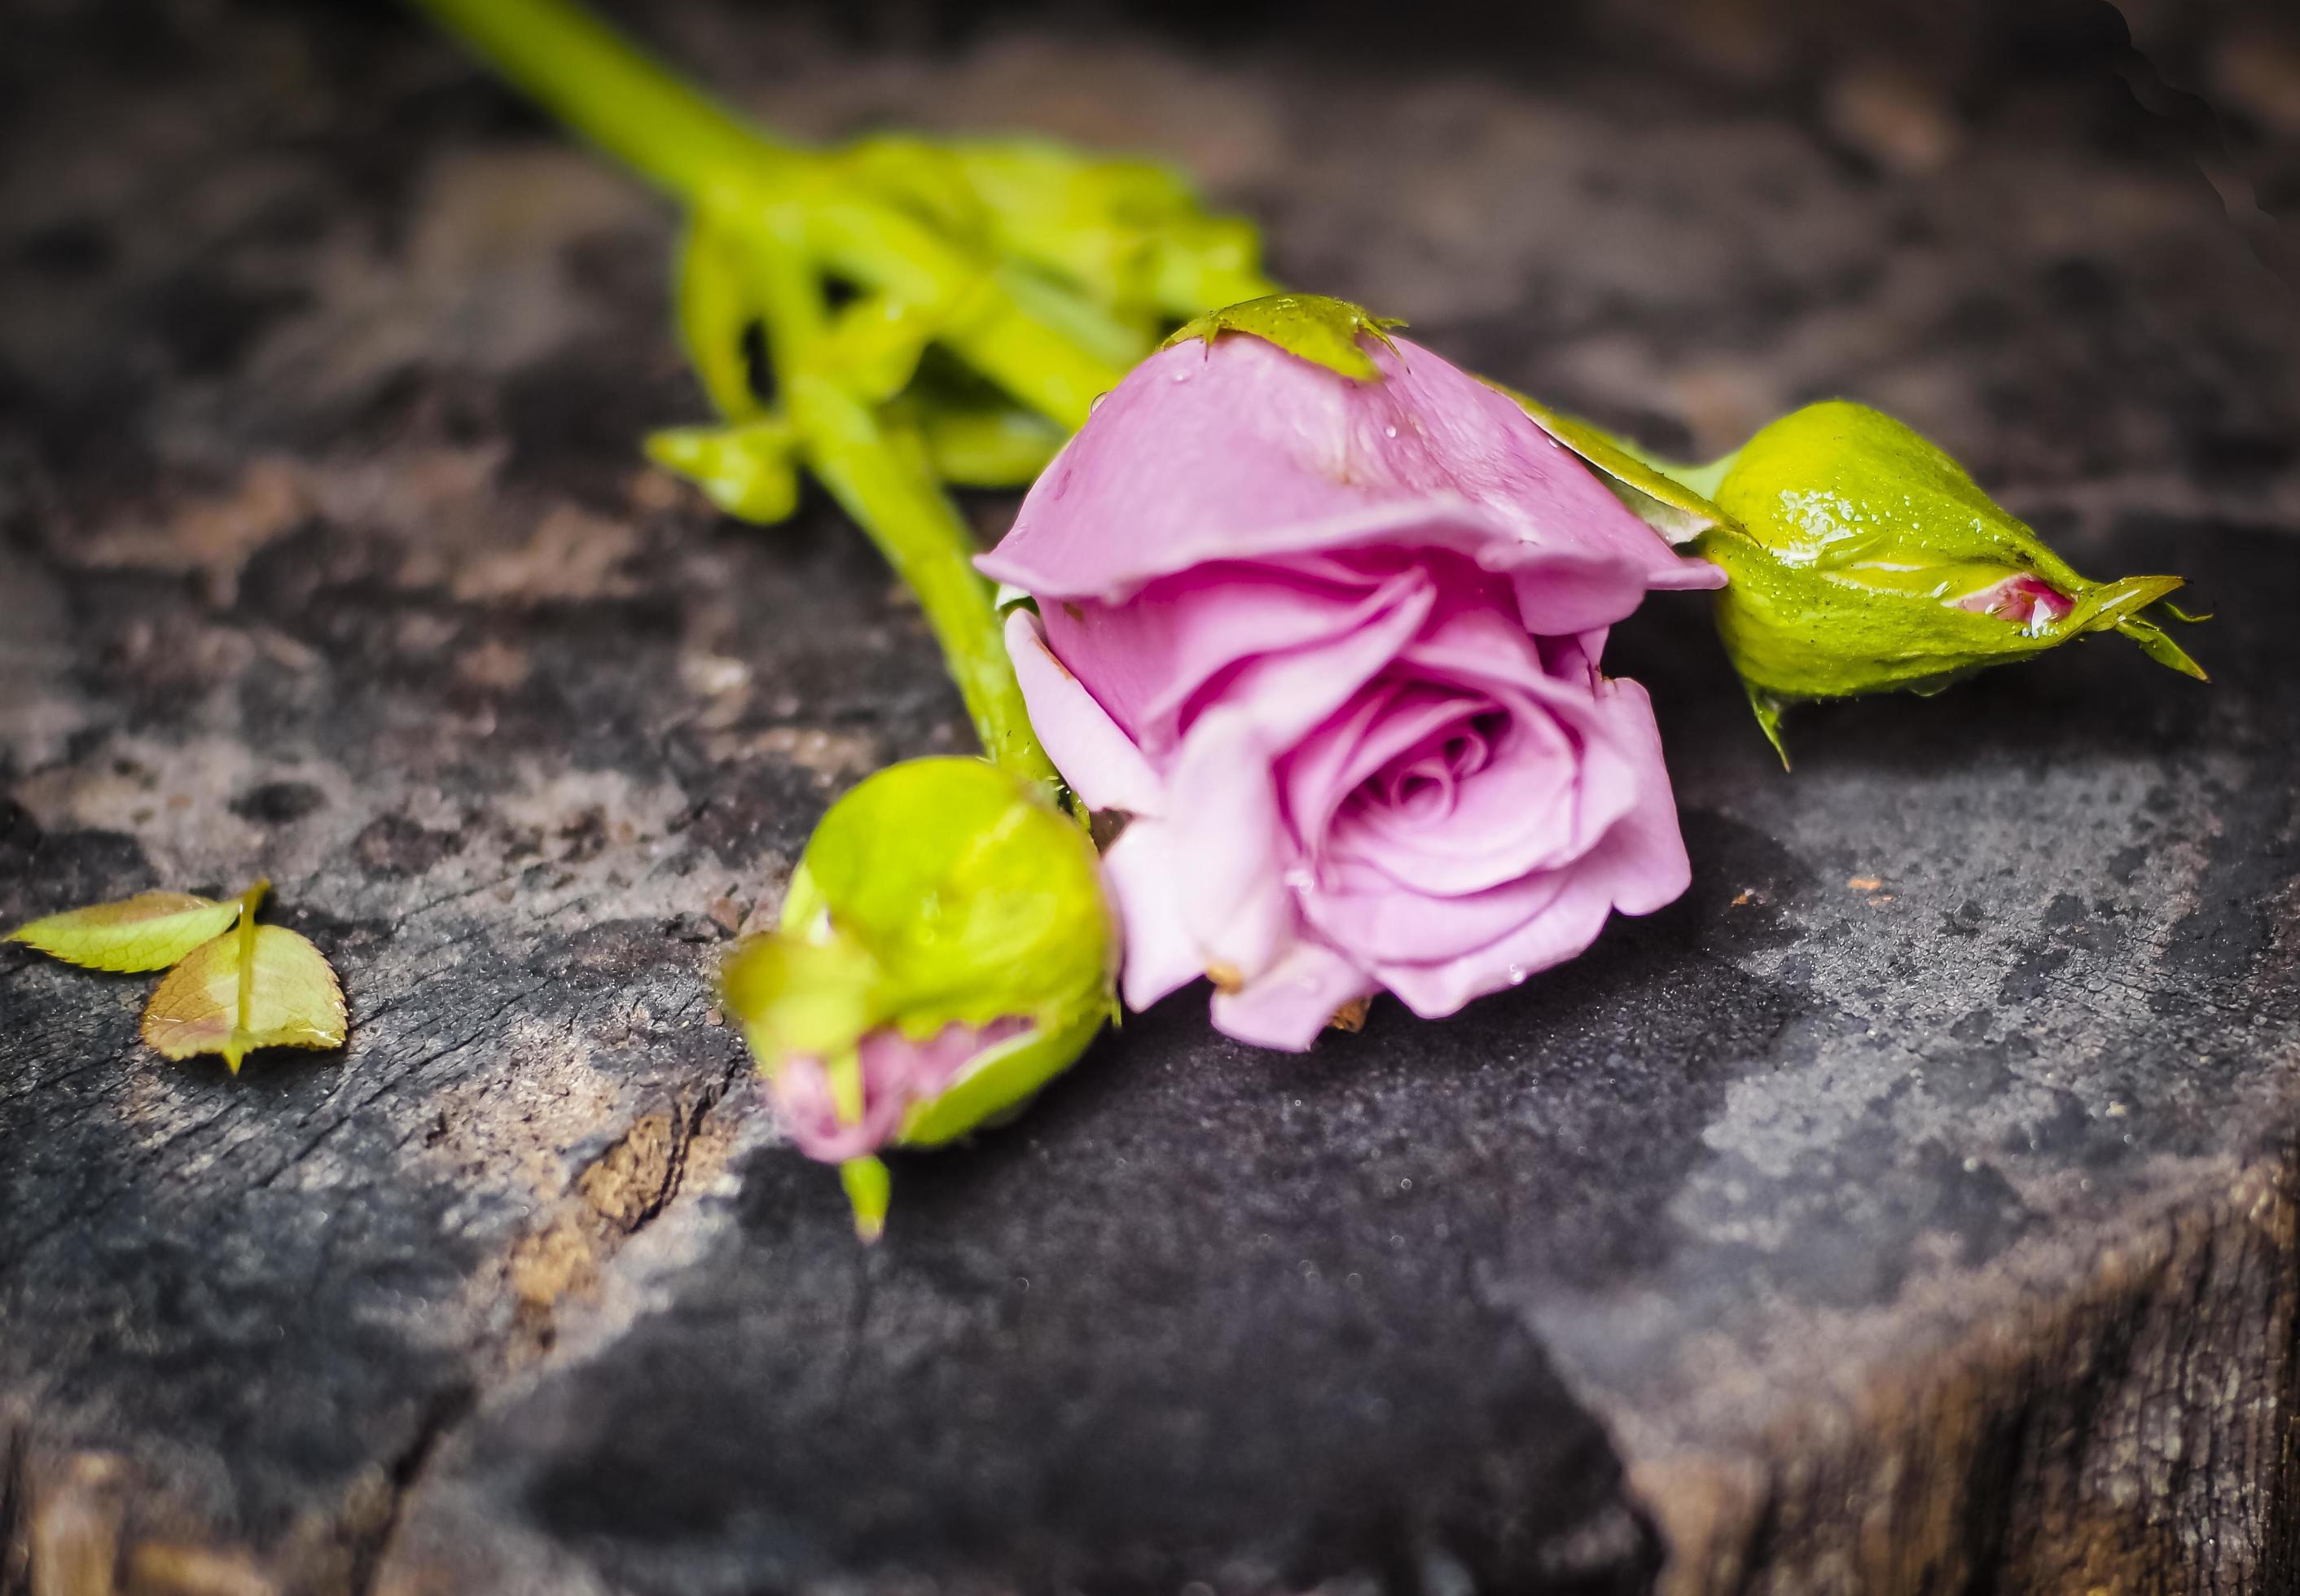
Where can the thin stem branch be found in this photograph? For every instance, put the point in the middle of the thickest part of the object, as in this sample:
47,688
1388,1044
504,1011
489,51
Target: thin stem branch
606,88
897,504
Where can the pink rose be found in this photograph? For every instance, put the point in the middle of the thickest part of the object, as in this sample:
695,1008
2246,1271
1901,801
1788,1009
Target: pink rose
1334,644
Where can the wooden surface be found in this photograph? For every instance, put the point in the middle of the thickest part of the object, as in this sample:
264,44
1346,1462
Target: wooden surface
1934,1233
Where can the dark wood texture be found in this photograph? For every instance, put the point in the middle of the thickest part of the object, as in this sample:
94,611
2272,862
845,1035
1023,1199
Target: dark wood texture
1911,1208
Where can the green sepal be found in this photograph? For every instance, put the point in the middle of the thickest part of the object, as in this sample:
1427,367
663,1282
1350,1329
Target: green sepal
869,1190
2158,646
1849,540
975,895
1325,332
1767,707
1672,499
750,470
813,995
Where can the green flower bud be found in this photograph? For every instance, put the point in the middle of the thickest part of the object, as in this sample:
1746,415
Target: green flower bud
1864,558
944,952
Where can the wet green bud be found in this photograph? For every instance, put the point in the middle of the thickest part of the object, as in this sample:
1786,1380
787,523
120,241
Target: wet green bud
1864,558
944,951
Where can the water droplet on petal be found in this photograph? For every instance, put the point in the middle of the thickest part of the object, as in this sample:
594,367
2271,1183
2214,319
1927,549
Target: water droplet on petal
1517,974
1095,403
1389,432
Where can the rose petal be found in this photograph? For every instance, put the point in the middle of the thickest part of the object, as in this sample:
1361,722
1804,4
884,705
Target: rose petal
1645,861
1567,926
1292,1001
1098,760
1238,450
1150,657
1287,695
1638,866
1517,815
1351,748
1369,913
1228,844
1145,880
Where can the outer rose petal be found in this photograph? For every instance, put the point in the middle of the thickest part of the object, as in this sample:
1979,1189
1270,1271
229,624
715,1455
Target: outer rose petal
1099,760
1386,924
1293,1001
1644,854
1150,657
1231,847
1238,449
1566,927
1145,879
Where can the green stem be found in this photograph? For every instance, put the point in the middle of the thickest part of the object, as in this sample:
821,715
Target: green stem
607,90
897,505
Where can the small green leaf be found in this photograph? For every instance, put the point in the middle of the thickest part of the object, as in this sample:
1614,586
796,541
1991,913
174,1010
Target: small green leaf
149,931
254,987
1325,332
749,470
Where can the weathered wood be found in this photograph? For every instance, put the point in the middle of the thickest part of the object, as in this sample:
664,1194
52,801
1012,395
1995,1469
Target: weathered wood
1910,1207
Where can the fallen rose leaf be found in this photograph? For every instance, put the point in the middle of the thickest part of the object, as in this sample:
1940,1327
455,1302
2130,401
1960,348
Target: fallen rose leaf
149,931
259,986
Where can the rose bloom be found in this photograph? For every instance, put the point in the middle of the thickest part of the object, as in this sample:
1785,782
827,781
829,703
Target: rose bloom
1334,646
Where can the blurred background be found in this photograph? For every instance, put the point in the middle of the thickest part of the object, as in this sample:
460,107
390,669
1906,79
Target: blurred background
270,266
1626,199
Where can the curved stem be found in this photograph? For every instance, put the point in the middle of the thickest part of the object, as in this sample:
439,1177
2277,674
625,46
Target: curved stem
610,91
897,505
